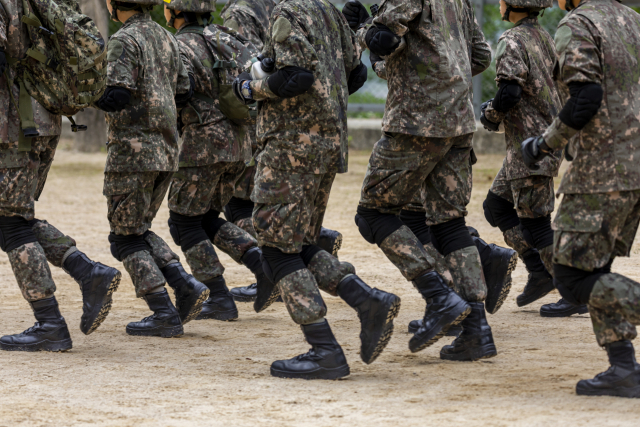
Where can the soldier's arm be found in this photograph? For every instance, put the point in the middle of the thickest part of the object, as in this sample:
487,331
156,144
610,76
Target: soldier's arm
295,62
480,49
186,83
123,71
581,70
244,24
383,35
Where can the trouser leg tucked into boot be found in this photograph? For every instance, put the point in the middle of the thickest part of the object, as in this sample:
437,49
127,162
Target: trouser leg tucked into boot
621,379
190,293
539,283
165,321
475,342
50,332
220,305
324,361
97,283
376,310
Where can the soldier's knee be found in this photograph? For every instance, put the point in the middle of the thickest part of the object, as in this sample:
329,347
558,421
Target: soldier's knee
15,231
451,236
211,223
123,246
500,212
376,226
277,265
537,231
238,209
186,231
417,223
575,285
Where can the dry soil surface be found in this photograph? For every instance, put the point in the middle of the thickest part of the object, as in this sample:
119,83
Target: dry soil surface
218,373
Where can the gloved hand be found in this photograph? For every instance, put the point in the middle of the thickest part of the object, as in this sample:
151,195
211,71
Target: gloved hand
488,124
381,40
3,61
374,59
535,149
241,90
114,99
356,14
290,81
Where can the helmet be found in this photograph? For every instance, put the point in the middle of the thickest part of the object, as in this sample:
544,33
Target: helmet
530,4
193,6
147,5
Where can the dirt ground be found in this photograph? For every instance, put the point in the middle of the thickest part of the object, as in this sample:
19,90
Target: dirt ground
218,373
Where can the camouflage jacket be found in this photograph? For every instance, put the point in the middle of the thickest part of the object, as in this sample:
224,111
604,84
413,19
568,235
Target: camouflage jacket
526,55
14,40
208,136
598,42
250,18
144,58
430,78
307,133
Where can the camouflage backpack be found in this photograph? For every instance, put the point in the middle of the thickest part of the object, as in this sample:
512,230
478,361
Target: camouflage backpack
65,67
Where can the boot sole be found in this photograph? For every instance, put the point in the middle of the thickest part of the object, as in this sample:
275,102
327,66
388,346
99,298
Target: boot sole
564,313
238,298
417,344
227,316
163,332
272,298
106,304
506,288
197,307
485,352
633,392
392,309
521,302
319,374
450,332
53,346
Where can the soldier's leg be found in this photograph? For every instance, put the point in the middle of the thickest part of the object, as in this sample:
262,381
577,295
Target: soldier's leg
446,193
131,198
329,240
240,207
284,205
592,229
398,165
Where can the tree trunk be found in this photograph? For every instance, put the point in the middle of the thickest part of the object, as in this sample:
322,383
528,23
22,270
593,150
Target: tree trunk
95,137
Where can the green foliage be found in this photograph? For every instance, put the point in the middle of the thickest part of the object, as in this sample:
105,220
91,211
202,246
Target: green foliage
365,98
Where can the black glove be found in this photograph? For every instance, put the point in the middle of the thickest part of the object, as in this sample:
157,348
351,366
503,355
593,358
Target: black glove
114,98
356,13
3,61
290,81
237,88
488,124
183,98
381,40
357,78
534,149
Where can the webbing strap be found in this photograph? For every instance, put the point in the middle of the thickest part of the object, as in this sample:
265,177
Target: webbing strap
37,55
27,122
203,97
225,64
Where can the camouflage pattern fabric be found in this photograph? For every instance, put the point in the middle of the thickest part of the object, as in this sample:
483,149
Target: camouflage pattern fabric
160,251
208,136
594,46
533,197
133,199
329,272
614,306
302,298
465,267
234,241
247,225
204,262
54,243
514,238
196,190
244,184
307,133
30,267
440,263
591,229
526,55
402,165
250,18
406,252
144,272
430,79
144,58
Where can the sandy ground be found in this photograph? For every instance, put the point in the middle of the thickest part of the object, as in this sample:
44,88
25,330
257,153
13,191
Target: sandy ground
218,373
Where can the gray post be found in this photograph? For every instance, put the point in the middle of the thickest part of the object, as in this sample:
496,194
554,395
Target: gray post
477,80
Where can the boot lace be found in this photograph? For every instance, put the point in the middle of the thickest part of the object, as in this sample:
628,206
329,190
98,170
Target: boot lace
310,355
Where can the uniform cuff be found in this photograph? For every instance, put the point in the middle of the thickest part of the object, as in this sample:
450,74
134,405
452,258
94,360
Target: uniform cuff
493,115
261,91
558,134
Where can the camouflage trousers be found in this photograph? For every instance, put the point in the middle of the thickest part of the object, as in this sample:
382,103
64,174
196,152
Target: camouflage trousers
289,207
22,179
197,190
590,230
243,190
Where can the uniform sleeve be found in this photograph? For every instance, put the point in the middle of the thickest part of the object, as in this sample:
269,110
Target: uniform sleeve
123,66
244,25
396,14
479,47
185,68
511,62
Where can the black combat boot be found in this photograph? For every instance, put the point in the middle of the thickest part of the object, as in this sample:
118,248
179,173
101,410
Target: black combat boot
475,342
165,321
376,310
245,293
562,308
330,241
251,259
220,305
324,361
190,293
497,265
621,379
97,283
453,331
540,282
444,309
50,332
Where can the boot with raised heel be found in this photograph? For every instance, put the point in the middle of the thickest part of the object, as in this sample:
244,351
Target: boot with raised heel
165,321
220,305
475,342
539,283
622,379
497,265
190,293
50,332
562,308
324,361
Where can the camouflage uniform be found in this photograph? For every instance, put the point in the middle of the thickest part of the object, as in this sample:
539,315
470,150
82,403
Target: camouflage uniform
23,173
249,18
298,159
526,55
142,151
428,129
599,214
